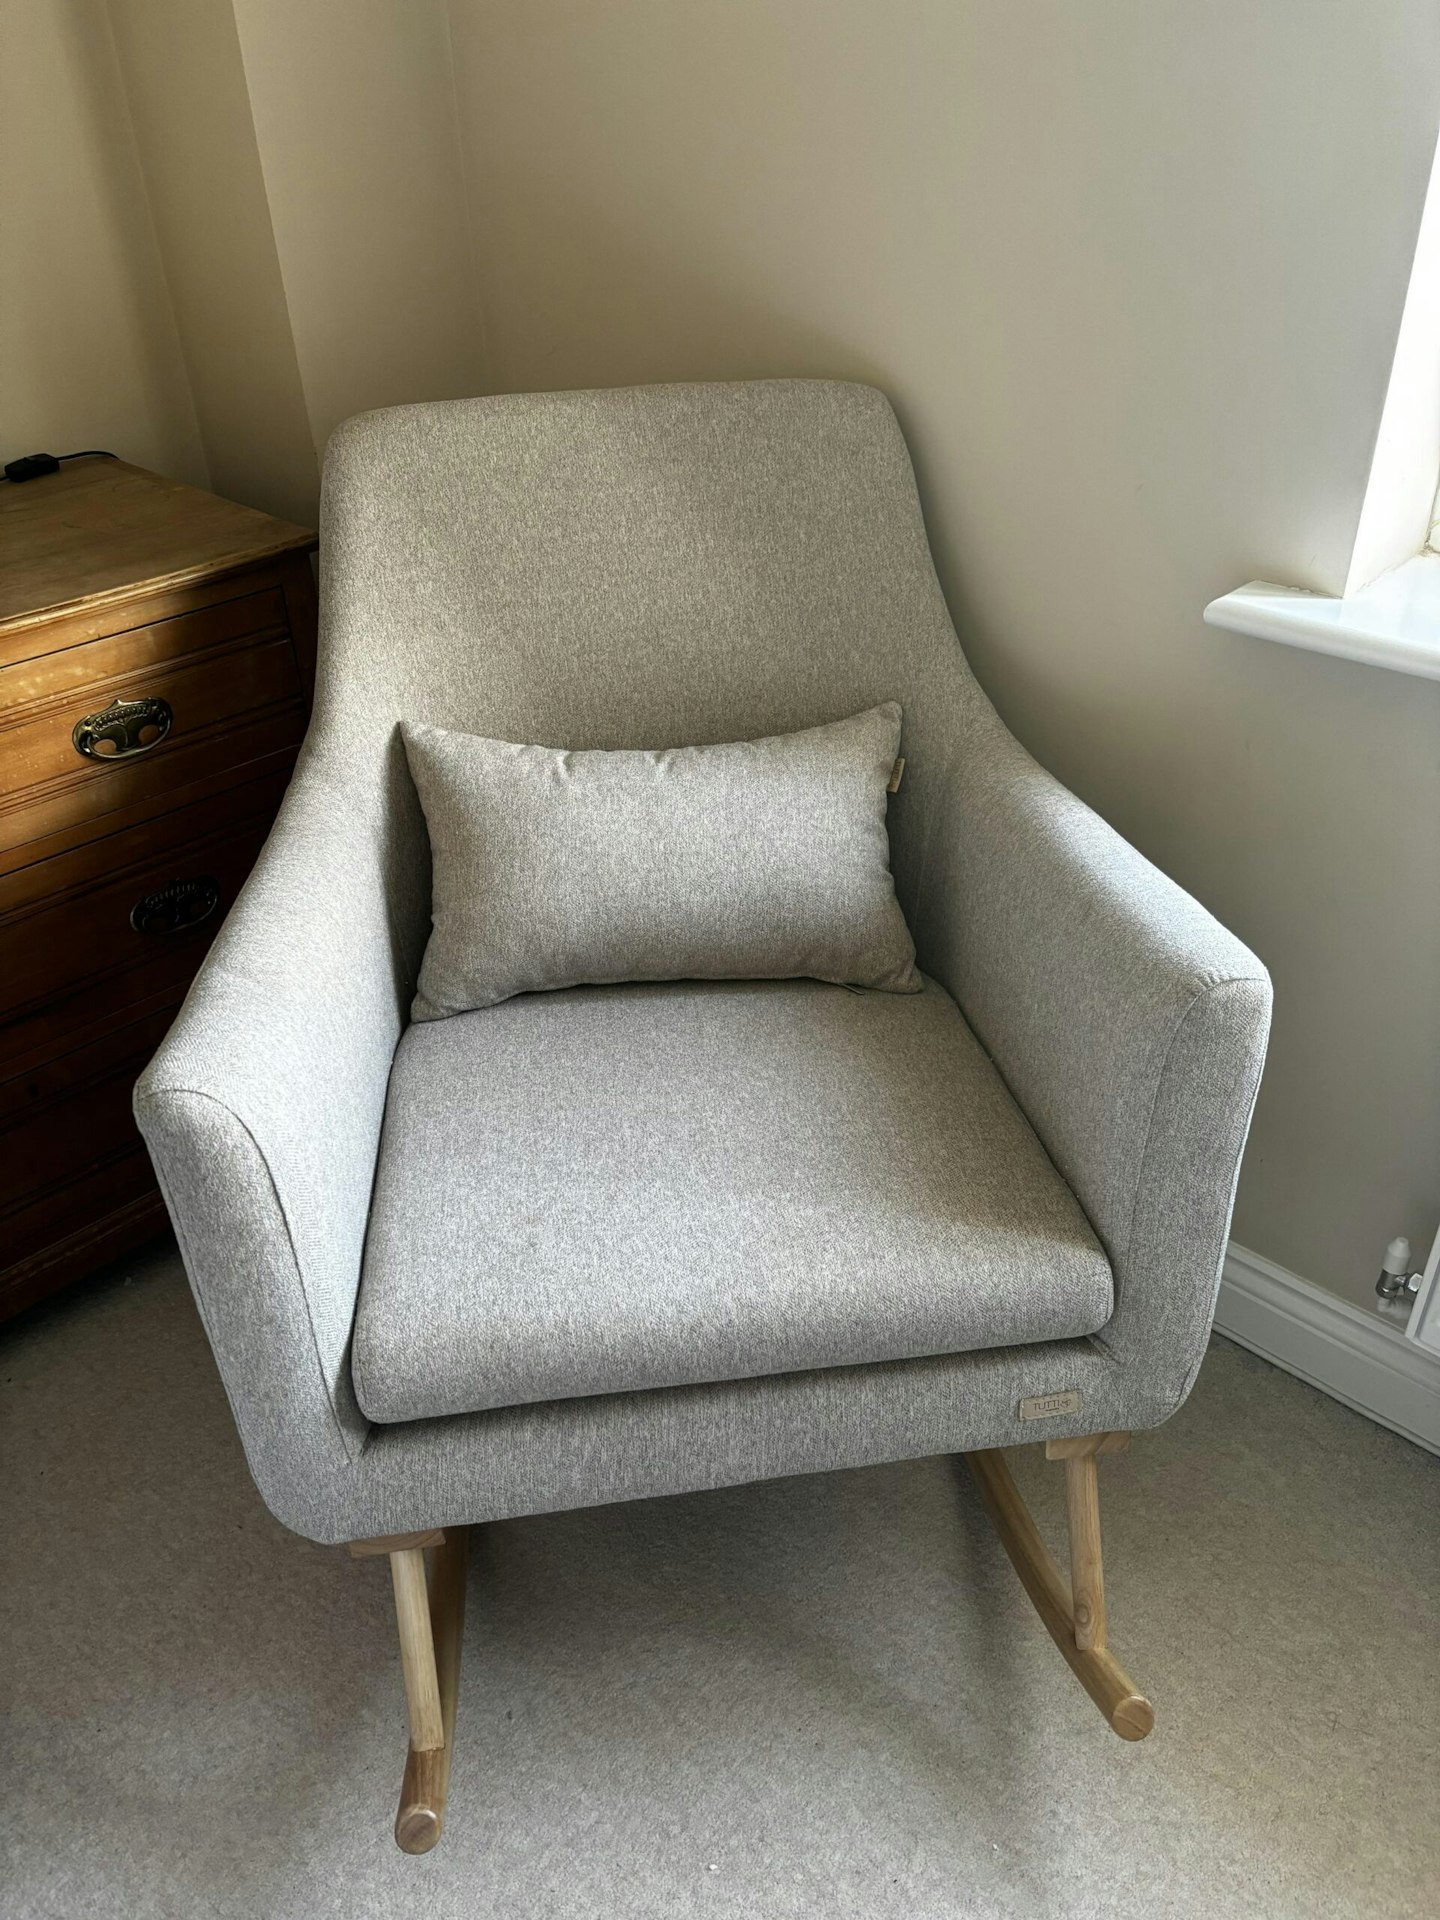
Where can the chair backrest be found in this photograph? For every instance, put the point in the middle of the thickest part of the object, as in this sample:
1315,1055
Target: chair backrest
645,567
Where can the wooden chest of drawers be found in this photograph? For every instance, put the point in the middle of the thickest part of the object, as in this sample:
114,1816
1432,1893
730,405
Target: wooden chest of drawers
156,658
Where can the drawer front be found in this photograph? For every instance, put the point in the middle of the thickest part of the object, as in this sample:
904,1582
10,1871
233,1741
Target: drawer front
131,913
37,1229
68,667
78,750
72,1115
39,826
99,729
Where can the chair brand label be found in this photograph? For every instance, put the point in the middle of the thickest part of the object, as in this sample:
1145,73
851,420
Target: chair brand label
1044,1406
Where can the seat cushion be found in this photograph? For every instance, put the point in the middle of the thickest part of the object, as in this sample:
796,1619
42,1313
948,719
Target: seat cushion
607,1189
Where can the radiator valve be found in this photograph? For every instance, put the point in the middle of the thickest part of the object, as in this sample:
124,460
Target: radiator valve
1396,1281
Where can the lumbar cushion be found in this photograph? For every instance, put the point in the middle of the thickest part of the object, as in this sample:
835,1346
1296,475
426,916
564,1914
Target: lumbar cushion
761,860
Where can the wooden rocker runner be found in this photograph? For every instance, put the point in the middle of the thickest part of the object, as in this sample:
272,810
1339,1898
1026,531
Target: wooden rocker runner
1074,1616
431,1618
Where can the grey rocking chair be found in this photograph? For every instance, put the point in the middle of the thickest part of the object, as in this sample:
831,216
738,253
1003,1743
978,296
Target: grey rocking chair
656,567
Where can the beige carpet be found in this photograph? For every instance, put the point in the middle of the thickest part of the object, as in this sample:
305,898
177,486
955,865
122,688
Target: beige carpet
819,1697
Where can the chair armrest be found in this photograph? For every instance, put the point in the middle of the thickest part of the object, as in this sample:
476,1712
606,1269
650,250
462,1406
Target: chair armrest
262,1113
1128,1024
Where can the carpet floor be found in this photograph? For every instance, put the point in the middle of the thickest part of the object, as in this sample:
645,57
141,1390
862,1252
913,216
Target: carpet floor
818,1697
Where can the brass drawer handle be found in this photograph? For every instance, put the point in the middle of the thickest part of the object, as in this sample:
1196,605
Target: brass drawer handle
176,908
118,732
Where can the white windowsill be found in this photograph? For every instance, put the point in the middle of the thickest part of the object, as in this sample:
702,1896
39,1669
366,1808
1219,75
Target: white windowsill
1393,623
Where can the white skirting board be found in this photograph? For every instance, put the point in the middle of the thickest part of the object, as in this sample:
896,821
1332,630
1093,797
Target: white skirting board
1348,1353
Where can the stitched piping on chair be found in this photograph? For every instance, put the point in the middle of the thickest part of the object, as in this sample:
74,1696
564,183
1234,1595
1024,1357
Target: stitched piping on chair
1170,1046
183,1241
1211,984
1102,1345
1256,1078
352,1453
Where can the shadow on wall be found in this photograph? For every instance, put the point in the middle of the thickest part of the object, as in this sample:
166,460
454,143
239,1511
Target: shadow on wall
90,341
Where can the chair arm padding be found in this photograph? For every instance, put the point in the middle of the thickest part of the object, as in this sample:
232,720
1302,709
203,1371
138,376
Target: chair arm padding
262,1113
1127,1022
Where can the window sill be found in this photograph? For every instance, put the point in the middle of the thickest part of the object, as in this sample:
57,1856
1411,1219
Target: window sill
1393,623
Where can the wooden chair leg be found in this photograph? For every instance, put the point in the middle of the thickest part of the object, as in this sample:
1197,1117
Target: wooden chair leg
1076,1624
1087,1573
431,1618
417,1649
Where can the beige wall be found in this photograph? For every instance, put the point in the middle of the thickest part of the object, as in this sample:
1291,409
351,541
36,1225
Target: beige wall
354,117
89,354
228,224
1132,272
194,128
303,164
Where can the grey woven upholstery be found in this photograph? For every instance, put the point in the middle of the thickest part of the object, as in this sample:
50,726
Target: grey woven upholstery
655,567
617,1188
755,860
